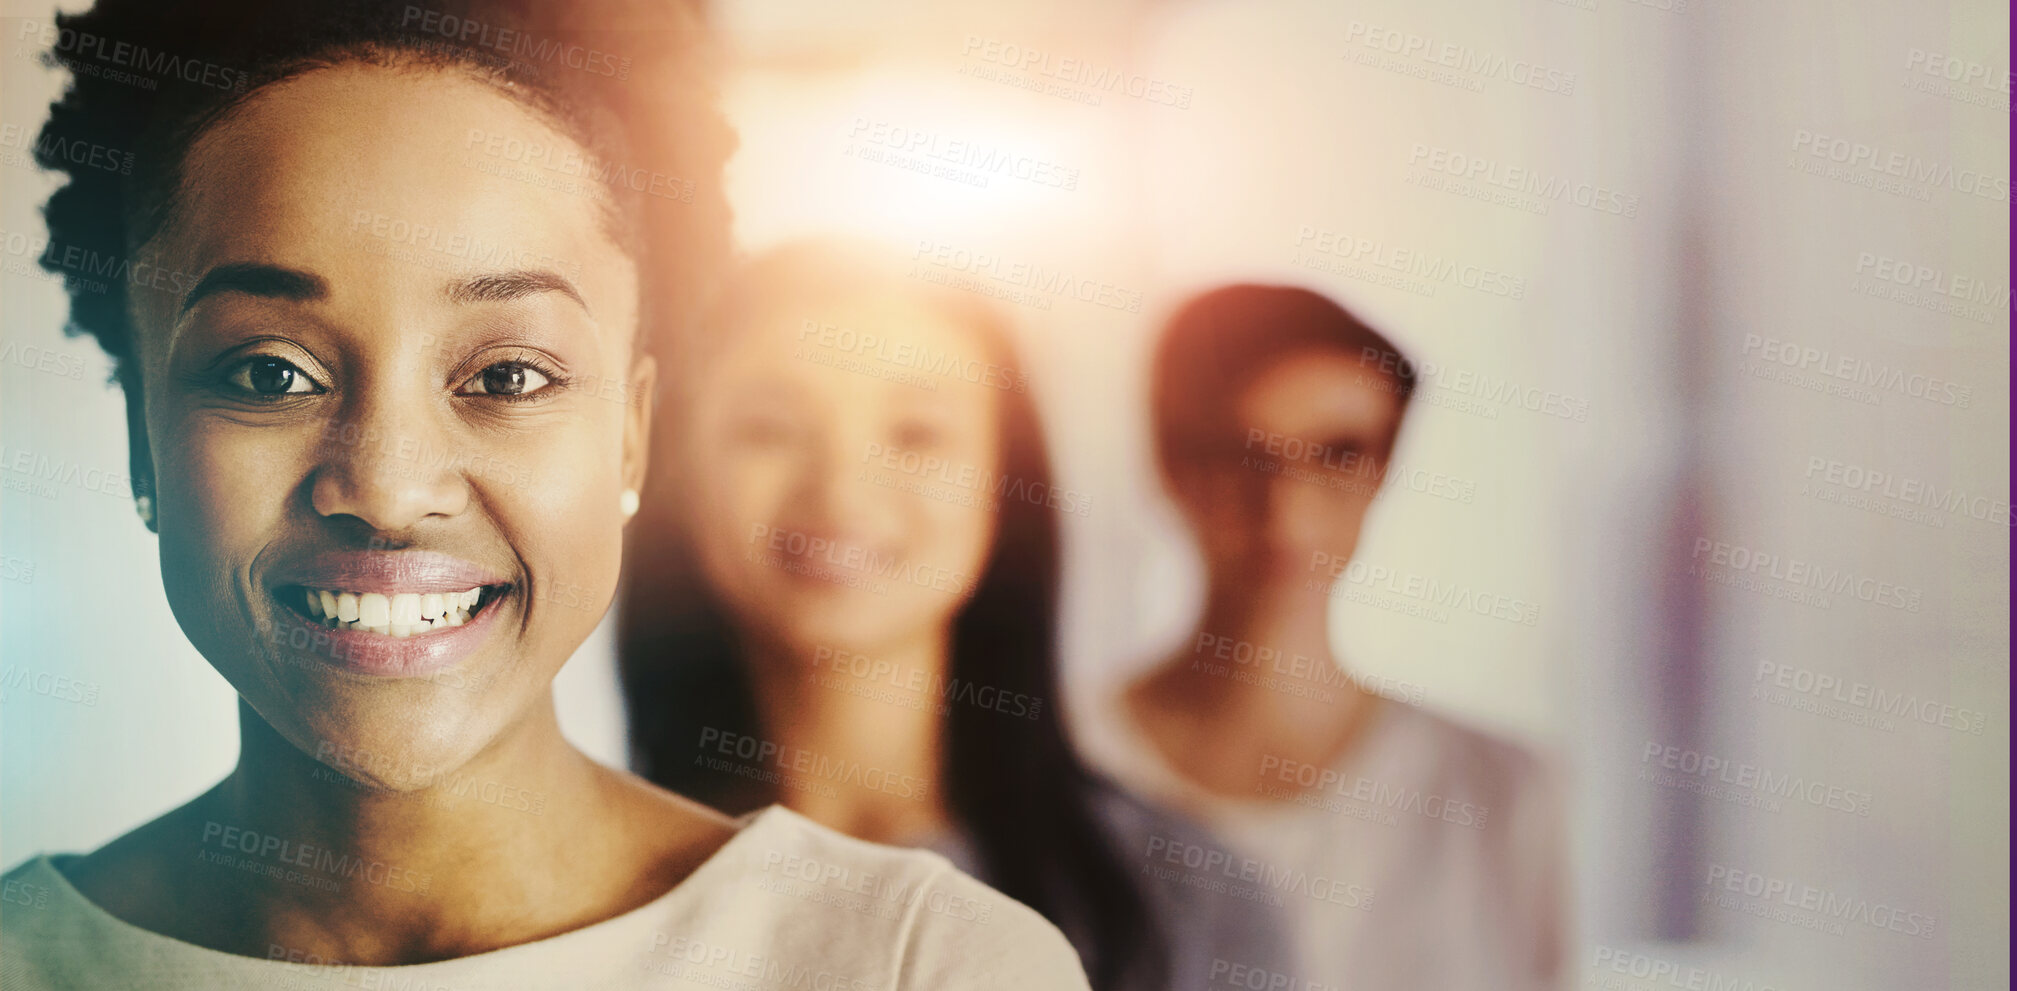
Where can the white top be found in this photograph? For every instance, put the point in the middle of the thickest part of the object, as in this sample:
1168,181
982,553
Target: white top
785,904
1429,855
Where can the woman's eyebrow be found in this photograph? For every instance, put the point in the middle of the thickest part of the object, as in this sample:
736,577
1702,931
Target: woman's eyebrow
267,281
503,287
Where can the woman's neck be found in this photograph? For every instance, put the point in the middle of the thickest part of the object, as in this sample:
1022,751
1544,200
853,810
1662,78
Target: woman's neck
1256,685
877,712
289,856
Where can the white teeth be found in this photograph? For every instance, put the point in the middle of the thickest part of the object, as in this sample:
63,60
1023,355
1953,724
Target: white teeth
400,614
405,609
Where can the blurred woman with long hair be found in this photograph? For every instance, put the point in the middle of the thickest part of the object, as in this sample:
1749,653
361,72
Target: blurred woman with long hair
845,601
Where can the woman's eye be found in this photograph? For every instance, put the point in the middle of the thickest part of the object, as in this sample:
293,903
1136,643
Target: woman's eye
506,378
268,376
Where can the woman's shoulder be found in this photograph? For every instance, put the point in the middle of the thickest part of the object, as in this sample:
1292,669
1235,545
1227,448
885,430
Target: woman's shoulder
1477,760
54,937
28,889
944,928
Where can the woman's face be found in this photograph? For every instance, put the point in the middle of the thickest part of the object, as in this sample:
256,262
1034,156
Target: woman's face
394,382
844,497
1315,431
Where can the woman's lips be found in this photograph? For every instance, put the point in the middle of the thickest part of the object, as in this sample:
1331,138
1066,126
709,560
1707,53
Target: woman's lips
385,572
359,650
399,614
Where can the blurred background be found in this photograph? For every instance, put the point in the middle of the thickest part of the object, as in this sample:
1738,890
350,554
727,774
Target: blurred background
1712,309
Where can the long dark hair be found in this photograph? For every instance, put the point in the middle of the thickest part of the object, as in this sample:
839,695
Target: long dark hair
1014,785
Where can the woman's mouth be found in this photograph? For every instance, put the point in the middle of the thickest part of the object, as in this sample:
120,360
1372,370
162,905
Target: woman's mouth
395,614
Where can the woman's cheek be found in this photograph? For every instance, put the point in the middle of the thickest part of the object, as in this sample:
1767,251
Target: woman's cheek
957,540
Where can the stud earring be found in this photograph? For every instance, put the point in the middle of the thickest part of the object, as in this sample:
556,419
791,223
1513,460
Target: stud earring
629,502
144,505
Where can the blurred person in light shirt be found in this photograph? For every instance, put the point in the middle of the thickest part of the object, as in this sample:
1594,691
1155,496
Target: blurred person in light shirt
1410,852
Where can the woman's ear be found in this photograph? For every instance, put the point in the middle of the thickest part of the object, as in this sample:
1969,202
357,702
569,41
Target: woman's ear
139,452
637,419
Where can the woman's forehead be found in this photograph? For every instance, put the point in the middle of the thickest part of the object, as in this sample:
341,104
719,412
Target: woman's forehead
1319,387
338,166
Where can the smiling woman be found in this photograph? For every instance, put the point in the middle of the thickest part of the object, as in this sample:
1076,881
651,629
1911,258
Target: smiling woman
370,420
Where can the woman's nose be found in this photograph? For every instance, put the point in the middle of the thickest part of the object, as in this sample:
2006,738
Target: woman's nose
389,471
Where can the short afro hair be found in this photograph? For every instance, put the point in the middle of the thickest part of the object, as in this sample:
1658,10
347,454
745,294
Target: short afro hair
632,80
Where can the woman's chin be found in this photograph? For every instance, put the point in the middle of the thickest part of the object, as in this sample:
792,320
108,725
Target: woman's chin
387,747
